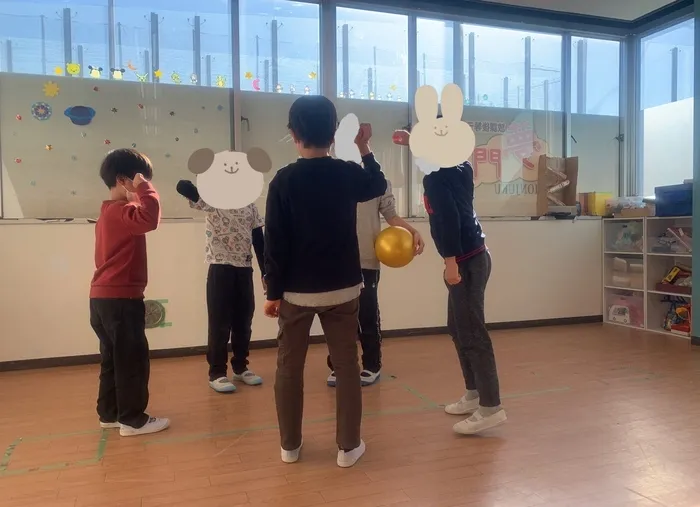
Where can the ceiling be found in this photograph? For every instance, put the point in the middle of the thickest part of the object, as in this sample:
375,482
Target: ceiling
625,10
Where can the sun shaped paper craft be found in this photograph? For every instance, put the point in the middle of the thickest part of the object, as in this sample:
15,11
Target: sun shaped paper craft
51,89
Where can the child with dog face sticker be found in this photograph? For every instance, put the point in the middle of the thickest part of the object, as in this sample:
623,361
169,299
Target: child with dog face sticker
442,145
228,184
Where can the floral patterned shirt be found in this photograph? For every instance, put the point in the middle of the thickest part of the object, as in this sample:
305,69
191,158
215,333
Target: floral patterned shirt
229,234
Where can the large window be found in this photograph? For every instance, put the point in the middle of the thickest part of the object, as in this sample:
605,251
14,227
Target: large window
279,46
435,56
513,69
372,55
666,136
595,76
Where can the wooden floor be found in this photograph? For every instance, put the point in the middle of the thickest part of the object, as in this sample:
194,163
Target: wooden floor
598,417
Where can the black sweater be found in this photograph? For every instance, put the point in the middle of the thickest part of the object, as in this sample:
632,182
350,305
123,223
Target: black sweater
449,201
310,224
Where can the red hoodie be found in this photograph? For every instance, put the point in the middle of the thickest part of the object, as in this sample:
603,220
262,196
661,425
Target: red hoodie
120,245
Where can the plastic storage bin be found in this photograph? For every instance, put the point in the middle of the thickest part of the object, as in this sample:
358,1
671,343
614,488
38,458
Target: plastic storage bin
674,200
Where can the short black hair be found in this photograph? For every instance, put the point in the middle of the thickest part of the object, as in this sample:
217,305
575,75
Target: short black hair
124,163
313,120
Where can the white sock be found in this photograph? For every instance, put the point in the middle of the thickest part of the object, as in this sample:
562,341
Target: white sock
472,394
487,411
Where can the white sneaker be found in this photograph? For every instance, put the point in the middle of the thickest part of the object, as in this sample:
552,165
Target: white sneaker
463,406
367,378
222,385
330,382
154,425
248,377
478,423
349,458
292,456
110,425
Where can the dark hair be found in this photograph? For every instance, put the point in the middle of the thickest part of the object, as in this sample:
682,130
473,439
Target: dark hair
124,163
313,120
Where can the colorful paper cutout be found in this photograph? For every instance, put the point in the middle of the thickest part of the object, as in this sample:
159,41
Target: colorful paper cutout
196,131
177,139
194,79
107,142
73,69
256,85
130,65
312,75
95,88
80,115
95,72
158,74
172,113
18,117
83,134
18,161
73,158
133,145
175,78
221,81
117,74
32,183
307,90
142,77
41,111
51,89
219,108
248,75
48,147
115,110
393,88
58,71
278,88
140,106
292,89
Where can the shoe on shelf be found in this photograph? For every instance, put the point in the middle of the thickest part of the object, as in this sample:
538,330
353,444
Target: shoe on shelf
463,406
346,459
367,377
248,378
222,385
153,425
330,381
110,425
478,422
292,456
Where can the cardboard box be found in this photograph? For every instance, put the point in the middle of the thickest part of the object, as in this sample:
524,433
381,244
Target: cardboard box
545,179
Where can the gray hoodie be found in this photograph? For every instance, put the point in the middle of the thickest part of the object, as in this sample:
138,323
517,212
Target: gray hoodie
369,225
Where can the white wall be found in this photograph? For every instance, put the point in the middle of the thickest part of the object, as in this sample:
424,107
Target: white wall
542,270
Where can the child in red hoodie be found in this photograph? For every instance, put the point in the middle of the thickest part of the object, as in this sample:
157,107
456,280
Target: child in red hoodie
117,310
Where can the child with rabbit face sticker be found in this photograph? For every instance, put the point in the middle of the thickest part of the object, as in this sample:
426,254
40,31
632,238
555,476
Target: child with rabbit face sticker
442,146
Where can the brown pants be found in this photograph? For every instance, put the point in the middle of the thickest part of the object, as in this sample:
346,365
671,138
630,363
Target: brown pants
339,325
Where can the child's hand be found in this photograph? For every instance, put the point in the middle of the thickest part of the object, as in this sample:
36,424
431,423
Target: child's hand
363,137
272,309
401,137
138,179
452,276
418,243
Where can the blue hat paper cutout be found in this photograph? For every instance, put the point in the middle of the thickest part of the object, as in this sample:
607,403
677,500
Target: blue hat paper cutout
80,115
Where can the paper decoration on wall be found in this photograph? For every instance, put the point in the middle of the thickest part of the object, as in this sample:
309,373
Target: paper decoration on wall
95,72
83,134
351,94
292,89
73,192
393,88
230,179
73,69
219,108
41,111
177,139
345,147
18,117
256,85
80,115
167,155
312,75
278,88
172,113
32,183
18,161
194,79
158,74
73,158
133,145
58,71
117,74
248,75
307,90
130,65
155,314
175,78
141,77
114,110
140,106
107,142
51,89
440,142
48,147
220,81
196,131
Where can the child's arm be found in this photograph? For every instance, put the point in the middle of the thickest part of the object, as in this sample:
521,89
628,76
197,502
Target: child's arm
187,189
259,239
145,216
276,242
446,225
387,208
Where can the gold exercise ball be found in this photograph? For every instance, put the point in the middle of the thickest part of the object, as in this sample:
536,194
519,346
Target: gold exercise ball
394,247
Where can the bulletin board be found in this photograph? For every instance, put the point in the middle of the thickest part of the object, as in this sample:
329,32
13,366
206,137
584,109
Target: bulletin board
55,131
